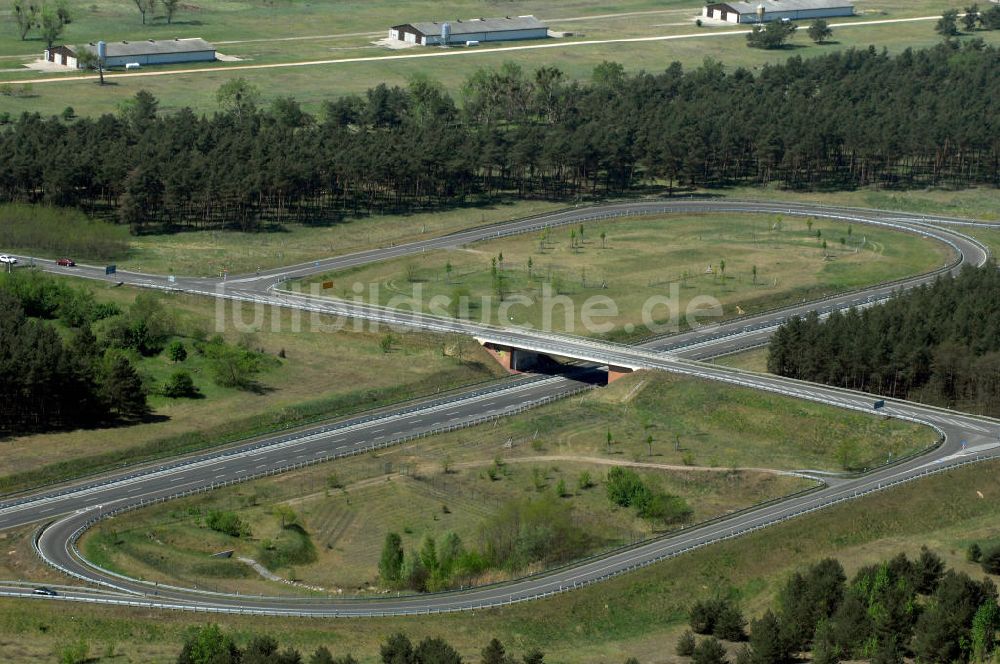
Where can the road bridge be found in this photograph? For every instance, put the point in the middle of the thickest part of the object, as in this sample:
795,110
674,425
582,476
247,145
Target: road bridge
73,508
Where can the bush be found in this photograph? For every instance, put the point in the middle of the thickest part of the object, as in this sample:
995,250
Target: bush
666,508
292,547
625,487
228,523
180,385
232,366
685,644
176,351
991,560
718,617
974,554
703,616
709,651
729,624
527,531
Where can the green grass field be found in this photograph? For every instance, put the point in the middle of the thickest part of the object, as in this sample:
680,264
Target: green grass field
324,373
751,360
639,614
717,447
979,203
347,526
207,253
639,259
259,33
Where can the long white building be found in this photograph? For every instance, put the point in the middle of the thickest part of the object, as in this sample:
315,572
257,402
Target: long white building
149,52
472,30
764,11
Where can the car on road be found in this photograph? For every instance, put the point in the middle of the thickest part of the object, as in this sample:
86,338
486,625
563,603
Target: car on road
10,260
66,262
42,590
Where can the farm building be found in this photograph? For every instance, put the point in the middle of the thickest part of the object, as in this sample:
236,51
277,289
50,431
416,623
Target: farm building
474,30
150,52
776,10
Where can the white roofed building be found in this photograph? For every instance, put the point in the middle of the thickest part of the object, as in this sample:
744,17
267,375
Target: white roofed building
470,30
149,52
763,11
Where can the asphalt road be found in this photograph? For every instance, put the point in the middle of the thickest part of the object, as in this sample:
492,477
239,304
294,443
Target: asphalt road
74,508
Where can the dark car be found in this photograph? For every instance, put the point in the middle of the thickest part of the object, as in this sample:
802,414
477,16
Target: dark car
66,262
42,590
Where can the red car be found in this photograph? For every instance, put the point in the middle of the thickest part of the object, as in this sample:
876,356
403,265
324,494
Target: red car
65,262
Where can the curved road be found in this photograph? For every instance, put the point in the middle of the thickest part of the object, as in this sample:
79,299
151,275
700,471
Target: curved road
965,437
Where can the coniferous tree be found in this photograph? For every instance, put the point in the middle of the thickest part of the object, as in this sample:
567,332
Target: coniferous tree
391,563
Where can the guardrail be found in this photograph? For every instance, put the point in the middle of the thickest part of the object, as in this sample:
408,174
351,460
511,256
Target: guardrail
241,446
706,540
245,477
522,596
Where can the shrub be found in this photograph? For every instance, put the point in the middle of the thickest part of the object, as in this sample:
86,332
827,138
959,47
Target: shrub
666,508
729,624
292,547
527,531
703,616
625,487
232,366
228,523
685,644
974,554
709,651
991,560
180,385
176,351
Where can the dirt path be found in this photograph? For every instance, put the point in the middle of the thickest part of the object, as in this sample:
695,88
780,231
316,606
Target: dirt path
601,461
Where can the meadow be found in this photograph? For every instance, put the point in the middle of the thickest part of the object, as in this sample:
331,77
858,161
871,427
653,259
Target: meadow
314,373
268,34
718,448
639,614
745,263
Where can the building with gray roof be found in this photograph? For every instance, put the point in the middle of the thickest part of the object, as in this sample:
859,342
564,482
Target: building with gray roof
142,53
764,11
471,30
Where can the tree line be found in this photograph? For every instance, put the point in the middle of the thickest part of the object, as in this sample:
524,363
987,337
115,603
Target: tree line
927,118
936,344
50,381
210,645
68,361
889,612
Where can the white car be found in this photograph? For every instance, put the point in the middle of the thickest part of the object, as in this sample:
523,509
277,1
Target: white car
10,260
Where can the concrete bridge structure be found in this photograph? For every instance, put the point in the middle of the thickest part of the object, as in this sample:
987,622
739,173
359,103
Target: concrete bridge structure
520,360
